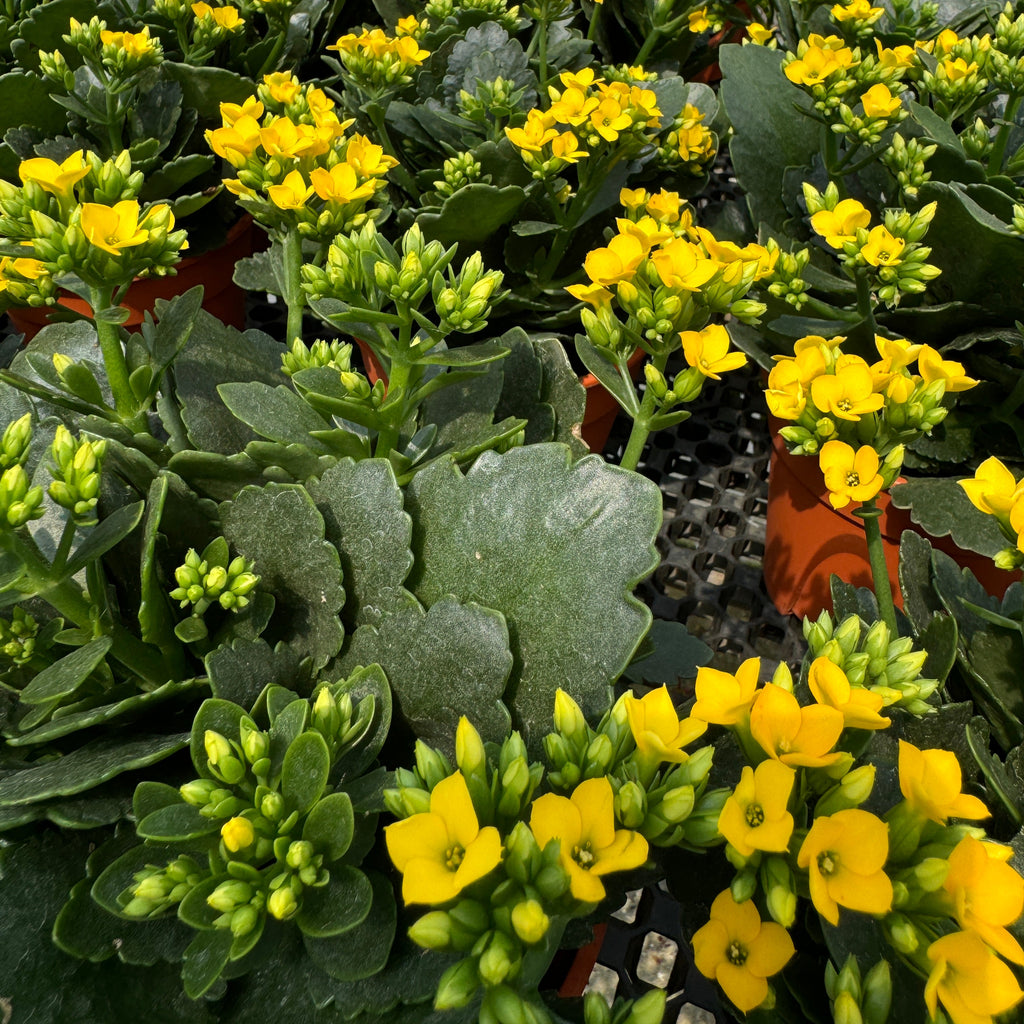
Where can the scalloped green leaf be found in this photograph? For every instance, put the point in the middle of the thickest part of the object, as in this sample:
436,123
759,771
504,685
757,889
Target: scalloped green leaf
560,389
329,825
557,548
66,675
86,767
241,672
474,213
307,764
920,600
337,907
304,577
276,413
463,645
362,951
364,518
940,506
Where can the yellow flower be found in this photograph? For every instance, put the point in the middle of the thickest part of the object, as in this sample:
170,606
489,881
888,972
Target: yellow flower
589,845
231,112
407,26
608,119
882,249
566,147
987,893
582,79
956,70
840,225
237,142
878,101
970,981
536,133
831,687
292,193
237,834
993,488
796,736
647,229
933,367
814,67
849,475
759,34
58,179
338,185
113,228
665,207
897,57
725,699
657,730
282,87
844,854
708,351
368,159
740,951
896,353
698,20
595,295
931,782
573,107
849,393
785,394
441,851
132,44
223,17
282,137
616,262
409,51
755,815
681,264
633,198
857,10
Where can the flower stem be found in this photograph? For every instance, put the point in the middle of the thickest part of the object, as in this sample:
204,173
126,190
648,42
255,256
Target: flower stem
114,361
869,512
995,158
864,305
641,423
294,296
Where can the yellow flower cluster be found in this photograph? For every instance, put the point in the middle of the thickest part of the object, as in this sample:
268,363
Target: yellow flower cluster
995,491
374,61
909,868
586,111
295,164
857,414
688,144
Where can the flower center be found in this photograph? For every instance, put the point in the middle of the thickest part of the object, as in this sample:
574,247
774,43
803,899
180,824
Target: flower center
736,953
853,478
583,856
828,863
453,857
704,363
844,404
754,815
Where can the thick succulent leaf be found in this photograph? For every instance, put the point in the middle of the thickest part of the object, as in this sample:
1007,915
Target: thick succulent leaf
942,508
557,548
110,530
64,676
175,823
921,602
304,577
561,389
337,907
206,956
307,764
329,825
277,413
364,518
363,950
667,655
441,664
241,672
214,715
85,768
473,213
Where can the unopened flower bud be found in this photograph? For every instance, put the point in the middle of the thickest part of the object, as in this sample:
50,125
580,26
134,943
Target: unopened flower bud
237,834
432,931
457,986
469,749
529,921
282,903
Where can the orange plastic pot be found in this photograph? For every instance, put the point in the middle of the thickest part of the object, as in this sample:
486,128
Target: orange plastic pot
214,270
599,413
807,540
582,966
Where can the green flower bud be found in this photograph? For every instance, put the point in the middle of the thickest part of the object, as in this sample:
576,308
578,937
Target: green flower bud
431,764
229,895
631,804
596,1009
300,853
648,1009
469,749
598,756
216,746
282,903
457,986
845,1009
851,791
744,885
677,804
530,922
432,931
500,960
902,933
877,1000
243,920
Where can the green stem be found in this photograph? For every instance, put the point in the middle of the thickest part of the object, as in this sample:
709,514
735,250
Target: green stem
399,375
995,158
830,155
649,43
592,27
114,361
542,53
865,307
60,559
115,126
641,422
870,513
294,296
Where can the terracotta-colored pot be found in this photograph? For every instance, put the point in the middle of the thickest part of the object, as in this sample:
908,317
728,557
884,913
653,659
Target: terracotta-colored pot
807,540
599,413
213,270
582,965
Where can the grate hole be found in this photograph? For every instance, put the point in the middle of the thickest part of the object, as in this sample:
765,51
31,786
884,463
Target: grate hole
703,619
604,981
657,958
713,454
714,568
627,912
725,523
692,1014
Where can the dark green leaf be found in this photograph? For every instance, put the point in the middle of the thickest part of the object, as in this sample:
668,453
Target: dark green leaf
109,531
85,768
191,630
241,672
940,641
941,507
205,88
337,907
176,822
63,677
168,178
307,763
260,272
205,959
286,726
152,796
277,413
670,654
25,99
466,355
607,373
474,213
329,825
920,600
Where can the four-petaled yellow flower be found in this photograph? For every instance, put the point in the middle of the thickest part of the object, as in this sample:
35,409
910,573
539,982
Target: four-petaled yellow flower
58,179
845,853
993,489
849,475
848,393
566,147
987,894
814,67
113,228
615,262
237,834
226,18
759,34
338,185
841,224
857,10
608,119
878,101
969,980
933,367
681,264
536,133
931,782
801,737
441,851
698,20
740,951
882,249
707,350
590,845
657,730
831,687
292,193
725,699
755,815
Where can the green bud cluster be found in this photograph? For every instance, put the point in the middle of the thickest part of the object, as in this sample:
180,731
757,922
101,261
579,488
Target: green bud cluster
856,999
494,10
335,354
787,282
577,752
14,444
872,659
493,102
18,636
214,577
669,800
20,503
158,888
906,160
458,171
76,470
